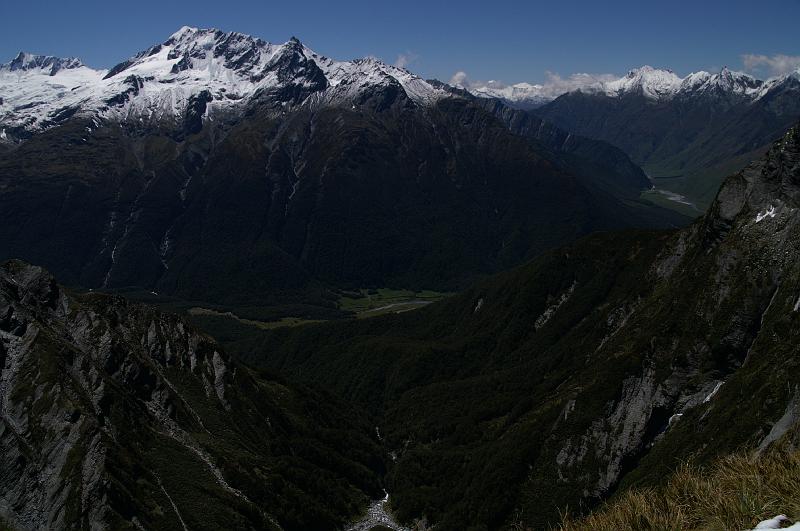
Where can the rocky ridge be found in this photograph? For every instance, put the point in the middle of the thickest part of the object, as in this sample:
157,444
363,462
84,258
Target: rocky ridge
115,416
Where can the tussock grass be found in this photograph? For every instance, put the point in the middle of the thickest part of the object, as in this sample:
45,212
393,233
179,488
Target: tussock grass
734,493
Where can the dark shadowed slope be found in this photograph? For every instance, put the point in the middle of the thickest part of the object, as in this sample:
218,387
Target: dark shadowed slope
594,367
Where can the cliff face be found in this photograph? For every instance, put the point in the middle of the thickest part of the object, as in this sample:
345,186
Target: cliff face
713,340
116,416
734,286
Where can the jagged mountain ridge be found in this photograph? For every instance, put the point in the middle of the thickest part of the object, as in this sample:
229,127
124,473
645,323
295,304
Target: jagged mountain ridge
114,416
218,72
160,82
659,84
655,84
593,368
26,61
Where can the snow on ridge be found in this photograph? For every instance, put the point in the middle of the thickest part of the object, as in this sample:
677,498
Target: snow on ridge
159,83
532,94
660,84
347,78
769,212
25,61
653,83
37,91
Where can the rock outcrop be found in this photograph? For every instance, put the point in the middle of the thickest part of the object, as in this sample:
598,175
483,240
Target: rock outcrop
113,415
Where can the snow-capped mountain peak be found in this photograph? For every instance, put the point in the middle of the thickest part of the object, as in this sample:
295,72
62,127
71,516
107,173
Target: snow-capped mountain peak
227,70
183,31
726,81
651,82
217,53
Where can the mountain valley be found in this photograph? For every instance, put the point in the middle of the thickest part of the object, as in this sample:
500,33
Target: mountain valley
298,183
687,133
244,285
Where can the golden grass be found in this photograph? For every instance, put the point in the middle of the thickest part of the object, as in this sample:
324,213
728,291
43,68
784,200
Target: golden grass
734,493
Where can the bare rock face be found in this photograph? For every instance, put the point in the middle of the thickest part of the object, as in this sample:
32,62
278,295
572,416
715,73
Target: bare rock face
114,416
733,274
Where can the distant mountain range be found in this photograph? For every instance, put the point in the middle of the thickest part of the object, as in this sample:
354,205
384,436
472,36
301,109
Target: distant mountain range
653,83
216,152
687,134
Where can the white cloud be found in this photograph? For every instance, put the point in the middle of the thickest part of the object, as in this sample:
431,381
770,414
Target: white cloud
460,79
776,65
405,59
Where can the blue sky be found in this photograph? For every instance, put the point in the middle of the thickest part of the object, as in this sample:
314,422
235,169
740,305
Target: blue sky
508,41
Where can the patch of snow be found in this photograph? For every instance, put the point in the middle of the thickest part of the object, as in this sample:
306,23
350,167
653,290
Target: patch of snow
769,212
478,306
777,522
